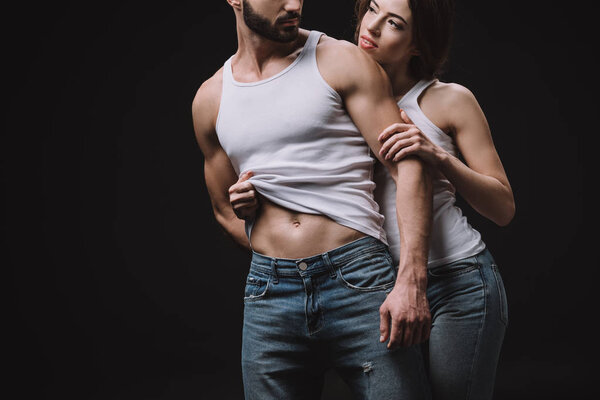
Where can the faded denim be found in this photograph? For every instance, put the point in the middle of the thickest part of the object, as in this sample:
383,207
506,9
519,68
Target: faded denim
302,317
469,317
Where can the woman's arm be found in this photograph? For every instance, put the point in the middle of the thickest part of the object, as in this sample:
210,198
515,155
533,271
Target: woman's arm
482,182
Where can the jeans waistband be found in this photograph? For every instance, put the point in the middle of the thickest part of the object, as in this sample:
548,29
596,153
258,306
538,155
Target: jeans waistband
316,264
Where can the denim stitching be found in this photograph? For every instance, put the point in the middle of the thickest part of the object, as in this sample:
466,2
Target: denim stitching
480,333
368,289
274,270
501,295
258,296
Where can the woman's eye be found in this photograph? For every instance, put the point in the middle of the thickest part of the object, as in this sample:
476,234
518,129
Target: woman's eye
371,9
395,25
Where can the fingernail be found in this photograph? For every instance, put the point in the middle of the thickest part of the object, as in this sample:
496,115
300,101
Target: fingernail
381,338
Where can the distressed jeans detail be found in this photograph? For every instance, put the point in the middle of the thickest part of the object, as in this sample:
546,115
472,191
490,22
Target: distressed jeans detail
304,316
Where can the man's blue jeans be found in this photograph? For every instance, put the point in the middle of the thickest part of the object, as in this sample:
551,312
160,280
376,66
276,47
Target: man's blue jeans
304,316
469,317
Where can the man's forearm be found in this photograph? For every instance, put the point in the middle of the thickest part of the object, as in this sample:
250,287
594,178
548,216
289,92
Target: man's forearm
413,209
234,227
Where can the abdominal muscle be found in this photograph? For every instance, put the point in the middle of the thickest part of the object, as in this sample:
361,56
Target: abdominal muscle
283,233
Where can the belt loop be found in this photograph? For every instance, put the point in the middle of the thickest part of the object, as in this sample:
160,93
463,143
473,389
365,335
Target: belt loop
274,268
332,272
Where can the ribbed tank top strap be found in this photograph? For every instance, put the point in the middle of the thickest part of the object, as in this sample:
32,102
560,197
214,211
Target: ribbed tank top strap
226,88
412,96
310,47
410,104
227,71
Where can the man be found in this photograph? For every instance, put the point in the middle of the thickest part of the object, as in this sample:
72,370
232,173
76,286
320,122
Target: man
291,106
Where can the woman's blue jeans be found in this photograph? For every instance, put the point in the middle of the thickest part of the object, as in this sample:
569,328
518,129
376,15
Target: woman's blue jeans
304,316
469,316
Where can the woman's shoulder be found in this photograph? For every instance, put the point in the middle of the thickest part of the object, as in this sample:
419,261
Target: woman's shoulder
449,93
448,100
446,104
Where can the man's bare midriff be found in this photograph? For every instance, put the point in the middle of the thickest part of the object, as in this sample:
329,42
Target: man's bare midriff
282,233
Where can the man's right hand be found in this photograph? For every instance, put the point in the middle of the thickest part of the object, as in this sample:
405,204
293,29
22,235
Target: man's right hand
243,198
405,318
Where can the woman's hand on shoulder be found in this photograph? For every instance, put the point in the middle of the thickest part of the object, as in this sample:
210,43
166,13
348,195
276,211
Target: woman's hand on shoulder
243,197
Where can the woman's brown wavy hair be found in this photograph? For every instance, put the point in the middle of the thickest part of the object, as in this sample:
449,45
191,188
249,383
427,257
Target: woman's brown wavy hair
432,31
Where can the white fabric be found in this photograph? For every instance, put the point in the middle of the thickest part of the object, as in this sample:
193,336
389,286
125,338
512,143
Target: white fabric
294,133
452,238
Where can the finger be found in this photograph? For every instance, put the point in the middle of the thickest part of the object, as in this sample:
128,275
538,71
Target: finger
385,147
409,337
241,187
241,196
397,146
253,206
405,117
245,176
425,332
392,129
405,152
245,208
384,324
396,334
244,197
417,333
244,187
393,139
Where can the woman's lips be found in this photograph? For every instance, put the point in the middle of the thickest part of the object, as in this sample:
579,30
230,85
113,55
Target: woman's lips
367,43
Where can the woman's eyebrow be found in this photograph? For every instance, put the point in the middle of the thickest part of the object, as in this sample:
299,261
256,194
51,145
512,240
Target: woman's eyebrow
391,14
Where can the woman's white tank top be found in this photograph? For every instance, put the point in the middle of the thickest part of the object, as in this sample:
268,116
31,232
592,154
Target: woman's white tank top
293,132
452,238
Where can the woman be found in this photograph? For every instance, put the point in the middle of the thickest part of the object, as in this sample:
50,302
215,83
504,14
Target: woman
410,40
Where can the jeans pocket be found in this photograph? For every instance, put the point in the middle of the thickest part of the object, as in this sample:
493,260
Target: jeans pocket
454,269
368,272
501,295
257,286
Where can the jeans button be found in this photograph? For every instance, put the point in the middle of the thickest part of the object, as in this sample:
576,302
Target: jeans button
303,266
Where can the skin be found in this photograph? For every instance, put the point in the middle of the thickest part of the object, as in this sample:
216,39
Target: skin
481,180
279,232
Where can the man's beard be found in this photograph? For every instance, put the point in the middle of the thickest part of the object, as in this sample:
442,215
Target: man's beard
263,27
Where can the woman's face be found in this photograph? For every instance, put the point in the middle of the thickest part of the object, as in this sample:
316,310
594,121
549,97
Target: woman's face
386,32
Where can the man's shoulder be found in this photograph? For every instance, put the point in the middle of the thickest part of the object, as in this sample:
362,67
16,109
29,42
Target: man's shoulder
339,51
209,89
345,66
208,96
205,106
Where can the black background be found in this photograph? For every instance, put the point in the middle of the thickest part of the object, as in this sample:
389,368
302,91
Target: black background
120,282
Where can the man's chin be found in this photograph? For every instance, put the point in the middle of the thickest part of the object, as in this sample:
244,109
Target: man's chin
289,34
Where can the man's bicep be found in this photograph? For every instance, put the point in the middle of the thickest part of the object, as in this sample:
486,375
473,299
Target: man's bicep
373,108
218,171
219,176
363,86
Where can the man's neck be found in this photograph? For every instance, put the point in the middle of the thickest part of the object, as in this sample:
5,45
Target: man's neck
255,51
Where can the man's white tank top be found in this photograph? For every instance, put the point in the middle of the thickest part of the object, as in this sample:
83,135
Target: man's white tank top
293,132
452,238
